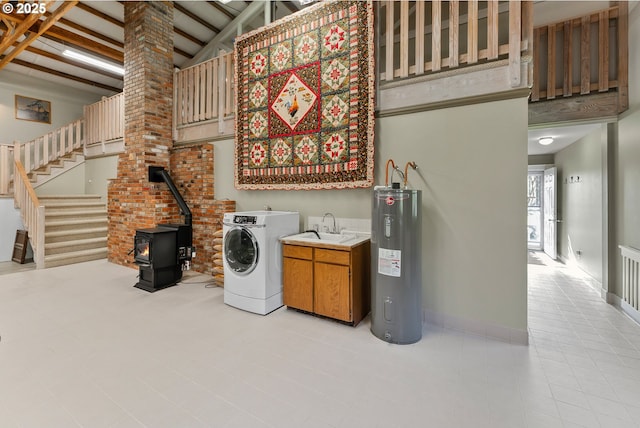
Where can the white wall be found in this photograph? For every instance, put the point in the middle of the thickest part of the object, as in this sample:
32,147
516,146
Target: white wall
473,166
97,173
628,156
66,106
580,204
69,183
9,223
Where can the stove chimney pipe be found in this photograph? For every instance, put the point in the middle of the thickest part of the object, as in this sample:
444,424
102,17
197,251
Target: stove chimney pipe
158,174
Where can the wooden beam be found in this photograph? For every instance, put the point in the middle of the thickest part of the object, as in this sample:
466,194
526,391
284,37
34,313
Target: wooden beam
195,17
70,38
21,29
91,32
68,61
223,10
188,36
64,75
99,14
44,26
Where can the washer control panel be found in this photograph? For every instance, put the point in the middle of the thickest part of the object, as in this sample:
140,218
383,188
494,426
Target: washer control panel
245,219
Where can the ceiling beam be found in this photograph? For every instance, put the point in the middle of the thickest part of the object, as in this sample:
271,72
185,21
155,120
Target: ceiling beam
65,75
21,29
73,39
188,36
91,32
222,9
207,52
44,26
99,14
71,62
195,17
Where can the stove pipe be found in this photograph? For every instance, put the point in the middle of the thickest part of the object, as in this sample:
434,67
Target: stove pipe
158,174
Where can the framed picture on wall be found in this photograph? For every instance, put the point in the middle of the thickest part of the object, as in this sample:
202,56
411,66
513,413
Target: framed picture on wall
33,109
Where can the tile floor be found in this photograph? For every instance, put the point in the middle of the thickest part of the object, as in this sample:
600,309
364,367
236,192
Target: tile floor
80,347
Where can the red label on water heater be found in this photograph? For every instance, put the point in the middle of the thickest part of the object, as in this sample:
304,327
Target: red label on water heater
389,200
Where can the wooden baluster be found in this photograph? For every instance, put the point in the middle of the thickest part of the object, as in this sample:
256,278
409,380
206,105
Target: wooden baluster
203,91
585,56
454,33
209,85
229,84
535,91
492,29
623,56
436,35
215,87
472,31
221,94
515,29
419,38
567,86
404,38
388,66
196,93
603,51
4,169
551,61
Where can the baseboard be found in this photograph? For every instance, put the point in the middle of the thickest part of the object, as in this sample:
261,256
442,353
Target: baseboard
491,331
626,308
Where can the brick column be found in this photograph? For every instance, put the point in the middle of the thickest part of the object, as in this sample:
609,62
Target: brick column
134,202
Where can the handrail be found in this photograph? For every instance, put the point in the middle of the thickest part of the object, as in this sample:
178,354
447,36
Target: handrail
31,211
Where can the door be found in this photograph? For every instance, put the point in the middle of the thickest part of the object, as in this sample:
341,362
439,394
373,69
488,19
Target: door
241,251
550,213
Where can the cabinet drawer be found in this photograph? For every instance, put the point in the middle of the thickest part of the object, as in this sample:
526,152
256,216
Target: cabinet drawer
297,252
332,256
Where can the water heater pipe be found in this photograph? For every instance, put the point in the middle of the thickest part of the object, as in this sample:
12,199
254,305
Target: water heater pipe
406,168
386,176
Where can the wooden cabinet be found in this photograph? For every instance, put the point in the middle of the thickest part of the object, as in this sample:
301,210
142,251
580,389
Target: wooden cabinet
332,282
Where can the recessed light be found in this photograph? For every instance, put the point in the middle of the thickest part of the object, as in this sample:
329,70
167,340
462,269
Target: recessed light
545,141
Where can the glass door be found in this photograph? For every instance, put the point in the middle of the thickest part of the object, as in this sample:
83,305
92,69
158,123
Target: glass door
534,210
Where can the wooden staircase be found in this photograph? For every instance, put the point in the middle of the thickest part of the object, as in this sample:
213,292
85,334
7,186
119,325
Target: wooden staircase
75,229
54,168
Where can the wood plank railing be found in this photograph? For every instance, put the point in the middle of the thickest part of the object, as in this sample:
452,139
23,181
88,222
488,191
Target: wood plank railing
51,146
582,55
6,168
31,211
104,120
204,91
422,37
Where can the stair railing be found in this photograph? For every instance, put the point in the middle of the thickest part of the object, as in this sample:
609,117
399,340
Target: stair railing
31,211
6,168
49,147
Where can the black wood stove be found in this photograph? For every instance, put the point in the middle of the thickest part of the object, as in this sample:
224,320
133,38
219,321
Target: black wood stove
162,253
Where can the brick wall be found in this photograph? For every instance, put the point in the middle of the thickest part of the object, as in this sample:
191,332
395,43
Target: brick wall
134,203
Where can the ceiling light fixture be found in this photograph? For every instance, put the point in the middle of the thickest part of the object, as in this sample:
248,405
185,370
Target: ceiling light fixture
94,61
303,2
545,141
224,1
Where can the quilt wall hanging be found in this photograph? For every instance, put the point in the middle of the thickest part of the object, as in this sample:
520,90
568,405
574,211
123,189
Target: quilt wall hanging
305,100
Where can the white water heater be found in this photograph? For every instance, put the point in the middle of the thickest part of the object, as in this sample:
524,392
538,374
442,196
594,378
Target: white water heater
396,274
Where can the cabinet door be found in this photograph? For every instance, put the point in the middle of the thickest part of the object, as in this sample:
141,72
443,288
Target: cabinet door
297,278
331,291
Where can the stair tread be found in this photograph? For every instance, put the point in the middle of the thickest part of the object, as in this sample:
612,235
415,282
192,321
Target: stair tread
76,242
80,196
74,254
74,212
71,222
75,232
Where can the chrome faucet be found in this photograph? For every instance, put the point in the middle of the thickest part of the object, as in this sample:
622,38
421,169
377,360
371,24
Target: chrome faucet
334,222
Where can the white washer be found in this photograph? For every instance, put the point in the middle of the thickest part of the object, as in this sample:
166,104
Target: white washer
252,258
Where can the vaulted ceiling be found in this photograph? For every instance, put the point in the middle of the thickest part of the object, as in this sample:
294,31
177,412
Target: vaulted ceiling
33,43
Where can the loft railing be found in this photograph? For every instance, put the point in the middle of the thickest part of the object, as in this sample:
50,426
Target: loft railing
104,120
31,211
204,92
6,168
582,56
425,37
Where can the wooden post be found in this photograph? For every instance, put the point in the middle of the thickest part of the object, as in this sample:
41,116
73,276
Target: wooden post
515,29
38,249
